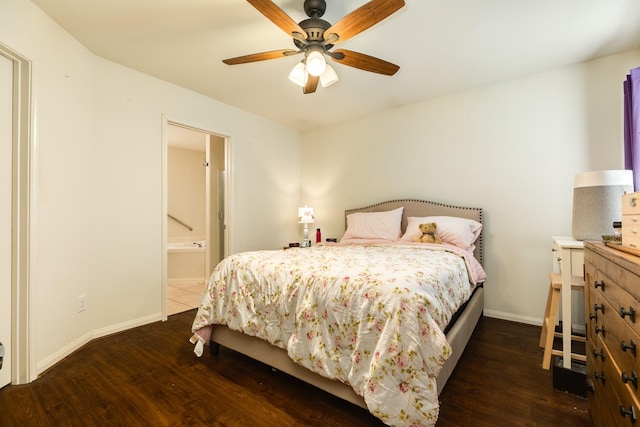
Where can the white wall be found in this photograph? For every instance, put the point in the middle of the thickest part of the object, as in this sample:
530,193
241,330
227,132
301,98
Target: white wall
97,225
187,193
511,148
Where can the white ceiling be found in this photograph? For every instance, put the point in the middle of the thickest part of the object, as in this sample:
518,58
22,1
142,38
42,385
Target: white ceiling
441,46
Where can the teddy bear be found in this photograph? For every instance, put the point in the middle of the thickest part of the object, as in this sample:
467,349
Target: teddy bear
428,233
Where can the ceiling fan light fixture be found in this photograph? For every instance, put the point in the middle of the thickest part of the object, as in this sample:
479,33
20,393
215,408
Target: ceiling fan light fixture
316,64
329,76
298,74
314,37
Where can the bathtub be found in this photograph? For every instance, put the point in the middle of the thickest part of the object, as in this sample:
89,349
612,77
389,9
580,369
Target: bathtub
186,261
197,246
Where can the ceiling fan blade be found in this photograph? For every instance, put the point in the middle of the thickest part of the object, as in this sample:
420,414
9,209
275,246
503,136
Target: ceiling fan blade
362,18
364,62
277,16
311,85
263,56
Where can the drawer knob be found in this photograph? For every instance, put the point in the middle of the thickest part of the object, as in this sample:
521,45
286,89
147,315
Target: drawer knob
593,316
599,284
597,307
633,379
631,412
631,346
599,354
631,313
600,330
599,377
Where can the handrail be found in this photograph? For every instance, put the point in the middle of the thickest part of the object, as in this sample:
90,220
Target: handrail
179,222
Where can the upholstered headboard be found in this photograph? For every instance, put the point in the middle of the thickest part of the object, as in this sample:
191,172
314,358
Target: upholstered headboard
425,208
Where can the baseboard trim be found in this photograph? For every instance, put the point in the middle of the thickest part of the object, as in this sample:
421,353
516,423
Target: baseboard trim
75,345
536,321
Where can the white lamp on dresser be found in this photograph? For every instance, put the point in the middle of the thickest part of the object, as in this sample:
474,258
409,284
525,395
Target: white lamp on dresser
597,202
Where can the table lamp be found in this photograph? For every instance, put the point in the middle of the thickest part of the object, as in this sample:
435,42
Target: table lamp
597,202
305,216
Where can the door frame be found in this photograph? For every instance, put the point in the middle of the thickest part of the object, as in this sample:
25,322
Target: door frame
22,214
166,121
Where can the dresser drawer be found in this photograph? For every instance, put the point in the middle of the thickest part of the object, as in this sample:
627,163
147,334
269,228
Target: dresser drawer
631,237
625,406
609,395
631,204
621,356
622,302
599,396
631,230
597,311
631,221
622,343
591,317
615,275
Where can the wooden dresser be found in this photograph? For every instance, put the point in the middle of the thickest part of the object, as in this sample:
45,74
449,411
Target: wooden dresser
612,280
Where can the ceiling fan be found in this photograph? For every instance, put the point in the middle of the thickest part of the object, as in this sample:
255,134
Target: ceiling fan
314,37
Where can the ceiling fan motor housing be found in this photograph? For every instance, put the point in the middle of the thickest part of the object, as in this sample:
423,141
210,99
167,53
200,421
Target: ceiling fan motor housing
315,28
315,8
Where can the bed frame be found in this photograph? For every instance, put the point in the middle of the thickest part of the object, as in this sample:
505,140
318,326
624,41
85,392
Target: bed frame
458,334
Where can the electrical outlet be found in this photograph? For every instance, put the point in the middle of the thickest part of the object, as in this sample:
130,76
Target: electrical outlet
82,303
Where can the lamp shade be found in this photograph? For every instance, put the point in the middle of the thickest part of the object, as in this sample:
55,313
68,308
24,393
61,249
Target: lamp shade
597,202
298,74
329,76
316,64
305,215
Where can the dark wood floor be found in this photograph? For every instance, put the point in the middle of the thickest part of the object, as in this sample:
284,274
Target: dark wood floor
149,376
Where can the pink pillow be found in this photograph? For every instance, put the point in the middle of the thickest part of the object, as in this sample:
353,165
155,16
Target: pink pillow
374,225
461,232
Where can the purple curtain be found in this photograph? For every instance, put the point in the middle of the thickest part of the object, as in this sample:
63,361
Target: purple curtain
632,125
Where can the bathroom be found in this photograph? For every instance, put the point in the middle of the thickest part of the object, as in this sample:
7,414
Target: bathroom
195,212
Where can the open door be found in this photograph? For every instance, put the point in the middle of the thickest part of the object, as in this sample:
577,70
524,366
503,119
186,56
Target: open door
216,177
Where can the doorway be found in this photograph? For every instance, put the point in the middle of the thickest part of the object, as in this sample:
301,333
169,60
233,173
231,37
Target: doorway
195,218
6,144
15,194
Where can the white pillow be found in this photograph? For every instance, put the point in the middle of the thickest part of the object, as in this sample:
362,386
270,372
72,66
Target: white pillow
374,225
461,232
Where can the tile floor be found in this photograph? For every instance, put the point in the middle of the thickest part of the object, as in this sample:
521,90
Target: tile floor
183,295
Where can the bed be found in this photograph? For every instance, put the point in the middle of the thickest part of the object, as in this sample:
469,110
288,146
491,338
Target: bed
375,337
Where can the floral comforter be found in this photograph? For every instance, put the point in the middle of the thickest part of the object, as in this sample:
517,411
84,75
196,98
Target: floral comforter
371,316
